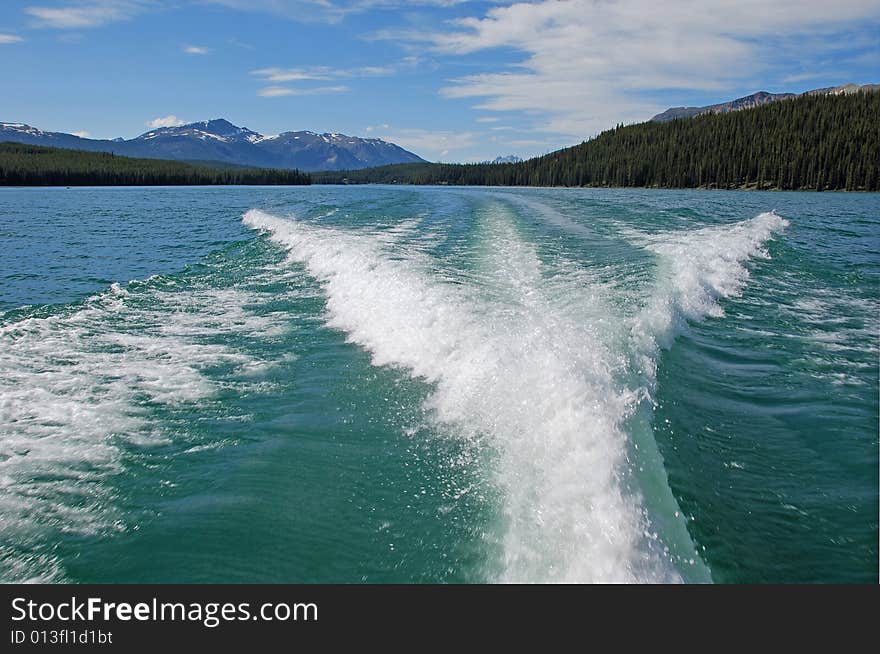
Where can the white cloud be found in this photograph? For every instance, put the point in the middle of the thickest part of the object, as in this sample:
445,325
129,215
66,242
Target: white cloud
82,134
281,91
589,64
432,145
800,77
240,44
487,119
10,38
165,121
329,11
311,74
319,73
80,15
370,128
196,50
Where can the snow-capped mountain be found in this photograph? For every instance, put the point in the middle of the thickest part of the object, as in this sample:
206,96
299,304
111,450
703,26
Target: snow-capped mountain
218,129
21,133
220,140
333,151
509,158
756,100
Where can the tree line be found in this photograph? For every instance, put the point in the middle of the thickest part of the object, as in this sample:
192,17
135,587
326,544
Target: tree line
31,165
821,142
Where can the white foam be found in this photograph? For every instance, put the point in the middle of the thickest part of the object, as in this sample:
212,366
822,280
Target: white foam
78,387
503,369
531,363
696,269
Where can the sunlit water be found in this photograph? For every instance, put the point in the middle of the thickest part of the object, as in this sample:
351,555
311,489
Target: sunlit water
383,384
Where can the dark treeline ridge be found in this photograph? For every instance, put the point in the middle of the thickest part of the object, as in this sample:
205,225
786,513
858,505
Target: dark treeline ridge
823,142
31,165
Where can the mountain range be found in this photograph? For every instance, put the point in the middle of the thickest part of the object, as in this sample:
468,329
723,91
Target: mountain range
220,141
810,142
756,100
510,158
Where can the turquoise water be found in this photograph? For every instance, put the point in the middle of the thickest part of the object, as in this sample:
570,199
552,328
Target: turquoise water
383,384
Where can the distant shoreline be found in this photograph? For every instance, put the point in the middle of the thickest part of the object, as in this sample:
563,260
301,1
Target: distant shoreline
822,143
453,186
42,166
810,143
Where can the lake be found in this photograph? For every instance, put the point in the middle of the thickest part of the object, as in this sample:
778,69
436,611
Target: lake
413,384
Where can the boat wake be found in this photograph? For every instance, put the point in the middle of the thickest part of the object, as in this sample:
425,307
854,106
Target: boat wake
534,362
78,392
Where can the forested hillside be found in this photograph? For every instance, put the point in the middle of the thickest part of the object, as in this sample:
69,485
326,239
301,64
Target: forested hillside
822,142
30,165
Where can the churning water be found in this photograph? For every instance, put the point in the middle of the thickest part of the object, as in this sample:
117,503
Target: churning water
389,384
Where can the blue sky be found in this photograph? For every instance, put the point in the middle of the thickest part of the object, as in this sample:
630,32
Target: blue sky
451,80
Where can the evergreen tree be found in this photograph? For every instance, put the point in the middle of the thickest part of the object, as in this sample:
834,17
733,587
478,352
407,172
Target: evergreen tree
820,142
30,165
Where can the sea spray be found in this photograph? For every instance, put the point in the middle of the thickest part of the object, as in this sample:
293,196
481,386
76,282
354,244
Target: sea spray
77,392
695,269
334,470
536,383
